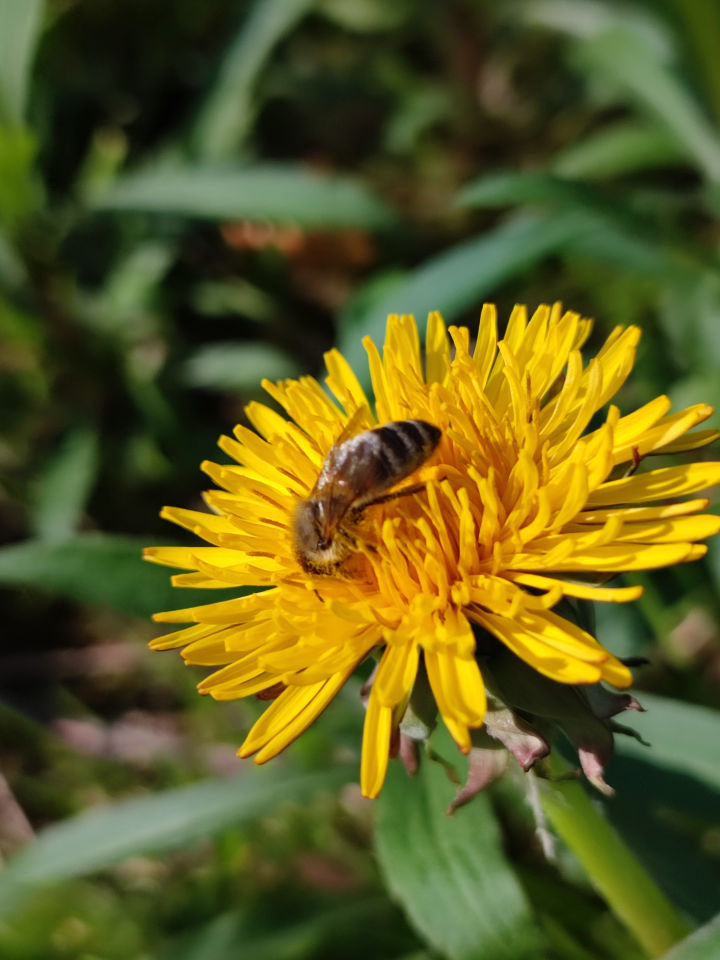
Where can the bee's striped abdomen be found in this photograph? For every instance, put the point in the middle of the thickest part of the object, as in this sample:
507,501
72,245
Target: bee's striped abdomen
404,445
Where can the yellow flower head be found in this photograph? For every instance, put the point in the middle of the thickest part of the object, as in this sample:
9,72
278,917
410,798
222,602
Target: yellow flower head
516,507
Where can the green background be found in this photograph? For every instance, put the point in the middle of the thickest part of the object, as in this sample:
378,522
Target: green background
196,196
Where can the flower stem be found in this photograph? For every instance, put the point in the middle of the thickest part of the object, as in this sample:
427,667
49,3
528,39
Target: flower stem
629,891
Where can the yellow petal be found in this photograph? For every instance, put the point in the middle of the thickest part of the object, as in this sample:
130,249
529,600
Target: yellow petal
288,716
656,484
457,686
661,435
396,672
437,349
343,382
613,558
630,515
532,648
375,747
180,638
672,530
692,441
235,611
583,591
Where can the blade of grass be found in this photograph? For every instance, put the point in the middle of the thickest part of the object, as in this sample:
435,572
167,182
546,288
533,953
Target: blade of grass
276,192
169,820
704,944
626,61
65,483
619,149
20,25
229,110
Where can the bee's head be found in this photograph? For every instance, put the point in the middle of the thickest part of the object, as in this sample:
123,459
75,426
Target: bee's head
317,547
312,532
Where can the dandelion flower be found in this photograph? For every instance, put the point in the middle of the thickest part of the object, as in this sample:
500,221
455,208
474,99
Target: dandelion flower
528,499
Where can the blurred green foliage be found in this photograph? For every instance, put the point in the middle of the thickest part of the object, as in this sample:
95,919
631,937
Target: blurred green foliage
194,196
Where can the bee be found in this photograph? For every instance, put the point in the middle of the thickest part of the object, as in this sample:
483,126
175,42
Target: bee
356,474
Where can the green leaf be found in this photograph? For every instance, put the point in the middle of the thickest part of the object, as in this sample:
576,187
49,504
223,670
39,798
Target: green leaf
12,269
20,22
100,568
612,239
450,873
672,829
700,23
366,16
216,940
421,108
619,149
589,18
704,944
235,296
458,278
679,776
634,54
506,188
233,365
606,229
154,824
688,316
19,192
327,933
684,737
123,308
276,192
229,110
626,61
63,487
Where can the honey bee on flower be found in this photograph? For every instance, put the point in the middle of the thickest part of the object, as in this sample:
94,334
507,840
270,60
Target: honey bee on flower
356,474
474,503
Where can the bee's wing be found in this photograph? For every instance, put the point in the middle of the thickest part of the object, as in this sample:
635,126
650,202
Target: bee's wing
360,419
330,478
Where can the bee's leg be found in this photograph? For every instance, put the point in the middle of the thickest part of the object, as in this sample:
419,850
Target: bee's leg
370,547
347,537
386,497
